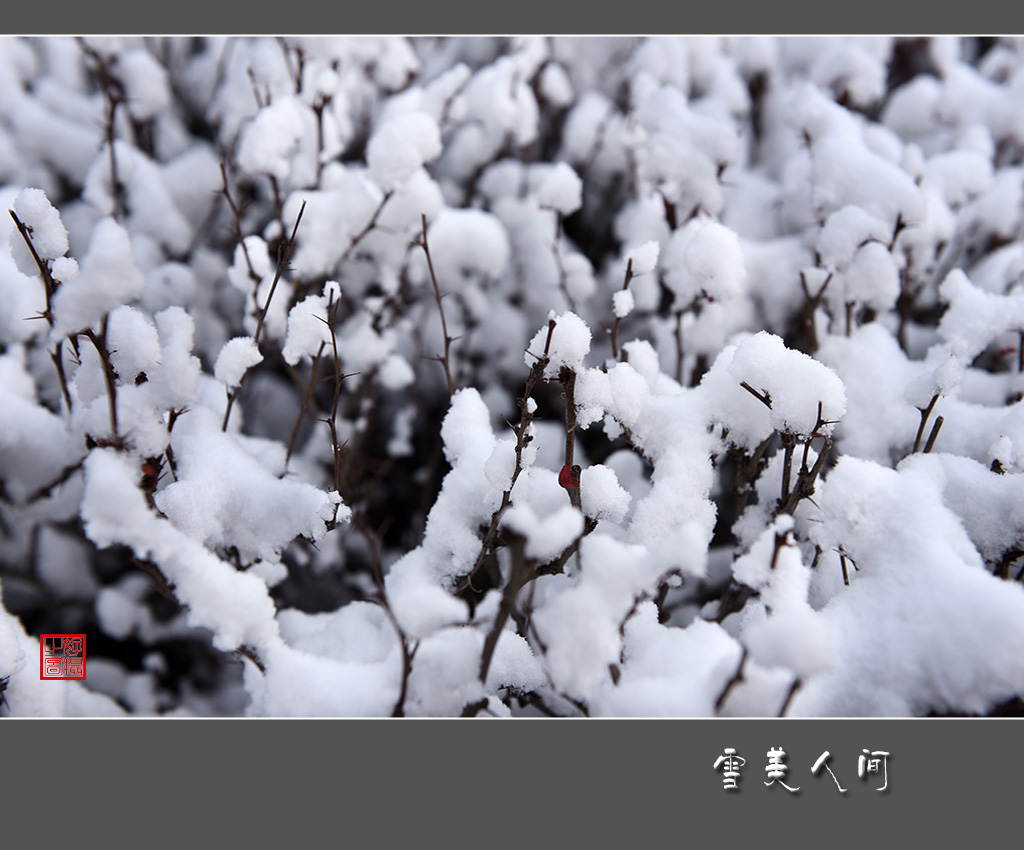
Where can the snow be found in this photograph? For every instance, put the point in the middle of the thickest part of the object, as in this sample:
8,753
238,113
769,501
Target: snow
443,683
501,465
919,571
146,194
875,372
236,358
976,317
109,277
873,278
555,85
569,344
465,244
35,444
644,257
561,189
826,281
268,143
601,495
396,373
421,606
703,259
622,303
308,329
400,147
145,82
546,537
134,343
223,496
64,269
49,238
701,659
234,605
845,231
794,384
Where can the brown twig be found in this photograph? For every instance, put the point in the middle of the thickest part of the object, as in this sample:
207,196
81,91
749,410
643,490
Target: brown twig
618,319
806,477
339,376
680,352
275,189
925,413
793,688
113,91
748,468
448,338
109,375
247,651
307,398
284,252
762,396
734,680
844,556
805,319
567,377
523,439
788,445
520,573
237,215
50,286
373,541
556,250
370,226
933,435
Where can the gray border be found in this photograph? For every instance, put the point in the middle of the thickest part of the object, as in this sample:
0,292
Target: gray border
284,782
532,17
633,783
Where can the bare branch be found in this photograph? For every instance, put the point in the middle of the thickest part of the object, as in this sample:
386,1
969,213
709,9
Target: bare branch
762,396
448,338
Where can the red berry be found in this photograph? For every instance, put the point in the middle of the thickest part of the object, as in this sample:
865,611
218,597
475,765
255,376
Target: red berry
567,480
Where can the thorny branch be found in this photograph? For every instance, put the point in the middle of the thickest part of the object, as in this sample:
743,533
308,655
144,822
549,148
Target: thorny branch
109,375
520,572
556,250
339,376
807,476
284,253
523,439
237,216
370,226
618,319
808,342
113,91
448,338
50,287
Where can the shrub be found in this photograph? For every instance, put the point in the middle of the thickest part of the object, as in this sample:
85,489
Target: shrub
574,376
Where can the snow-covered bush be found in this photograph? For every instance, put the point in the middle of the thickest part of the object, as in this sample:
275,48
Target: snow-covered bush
570,376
